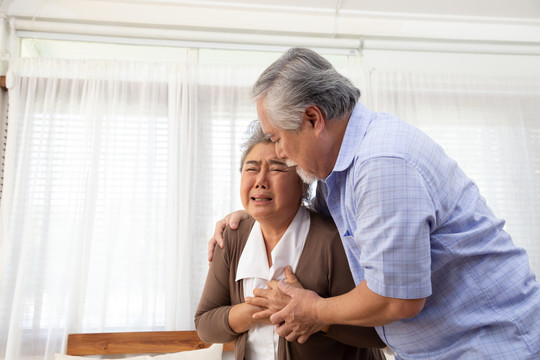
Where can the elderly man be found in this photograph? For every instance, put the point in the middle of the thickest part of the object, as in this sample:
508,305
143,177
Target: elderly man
434,270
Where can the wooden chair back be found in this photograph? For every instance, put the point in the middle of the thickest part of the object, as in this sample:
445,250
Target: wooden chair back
136,343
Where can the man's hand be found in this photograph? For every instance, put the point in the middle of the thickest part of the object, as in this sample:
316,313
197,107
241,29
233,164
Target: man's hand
273,299
232,220
298,320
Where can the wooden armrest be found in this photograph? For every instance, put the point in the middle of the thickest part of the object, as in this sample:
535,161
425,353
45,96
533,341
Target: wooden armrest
136,343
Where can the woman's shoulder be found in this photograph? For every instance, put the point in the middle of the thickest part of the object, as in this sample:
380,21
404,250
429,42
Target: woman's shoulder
323,232
322,223
237,238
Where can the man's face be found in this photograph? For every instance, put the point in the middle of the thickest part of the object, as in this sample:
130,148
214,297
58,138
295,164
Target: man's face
295,147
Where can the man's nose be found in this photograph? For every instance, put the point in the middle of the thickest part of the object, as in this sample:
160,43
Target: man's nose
280,152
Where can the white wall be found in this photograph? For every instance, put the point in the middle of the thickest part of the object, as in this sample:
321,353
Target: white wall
453,62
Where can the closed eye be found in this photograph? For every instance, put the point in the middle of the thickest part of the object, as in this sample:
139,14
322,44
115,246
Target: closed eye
273,139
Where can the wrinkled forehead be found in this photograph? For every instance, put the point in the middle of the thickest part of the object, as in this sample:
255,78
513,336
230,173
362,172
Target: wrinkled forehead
264,152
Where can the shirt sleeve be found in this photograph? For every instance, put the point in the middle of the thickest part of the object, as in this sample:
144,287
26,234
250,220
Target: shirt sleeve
394,215
212,315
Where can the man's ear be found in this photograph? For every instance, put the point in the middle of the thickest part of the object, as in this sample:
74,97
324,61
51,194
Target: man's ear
314,118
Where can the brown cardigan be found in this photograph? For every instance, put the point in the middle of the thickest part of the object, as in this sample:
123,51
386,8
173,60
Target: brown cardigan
322,267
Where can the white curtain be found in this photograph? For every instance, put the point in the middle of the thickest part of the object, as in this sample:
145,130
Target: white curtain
489,125
115,175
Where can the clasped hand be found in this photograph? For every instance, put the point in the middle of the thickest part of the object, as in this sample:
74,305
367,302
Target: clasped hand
290,307
272,298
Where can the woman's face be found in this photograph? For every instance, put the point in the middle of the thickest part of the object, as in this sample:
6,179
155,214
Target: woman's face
268,187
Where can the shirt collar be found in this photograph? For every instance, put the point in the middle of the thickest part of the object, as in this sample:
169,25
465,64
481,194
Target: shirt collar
253,261
354,134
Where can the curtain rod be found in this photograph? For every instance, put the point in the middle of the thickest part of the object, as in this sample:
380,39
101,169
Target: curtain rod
172,36
318,46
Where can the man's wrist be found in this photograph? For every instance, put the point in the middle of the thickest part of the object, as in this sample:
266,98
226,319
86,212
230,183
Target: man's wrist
320,312
321,315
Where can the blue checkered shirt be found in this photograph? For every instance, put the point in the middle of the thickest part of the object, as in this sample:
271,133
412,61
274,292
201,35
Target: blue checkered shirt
415,226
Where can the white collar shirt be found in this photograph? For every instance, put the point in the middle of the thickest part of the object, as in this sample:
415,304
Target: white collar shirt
253,269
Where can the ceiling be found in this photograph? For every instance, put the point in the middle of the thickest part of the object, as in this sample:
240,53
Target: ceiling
503,9
498,9
294,21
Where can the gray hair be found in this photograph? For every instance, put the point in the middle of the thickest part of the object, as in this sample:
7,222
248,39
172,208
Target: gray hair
254,136
298,79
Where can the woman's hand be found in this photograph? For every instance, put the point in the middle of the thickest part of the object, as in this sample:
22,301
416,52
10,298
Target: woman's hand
272,300
232,220
241,317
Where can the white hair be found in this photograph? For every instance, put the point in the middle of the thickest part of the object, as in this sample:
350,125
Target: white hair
301,78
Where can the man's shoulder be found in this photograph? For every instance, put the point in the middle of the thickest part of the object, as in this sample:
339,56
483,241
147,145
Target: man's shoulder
389,134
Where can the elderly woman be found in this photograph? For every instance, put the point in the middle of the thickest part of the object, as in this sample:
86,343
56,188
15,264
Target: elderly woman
280,233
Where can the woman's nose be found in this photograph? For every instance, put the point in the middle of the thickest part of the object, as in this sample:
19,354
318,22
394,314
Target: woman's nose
262,180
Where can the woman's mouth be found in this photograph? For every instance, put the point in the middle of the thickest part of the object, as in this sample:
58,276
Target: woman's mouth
255,198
